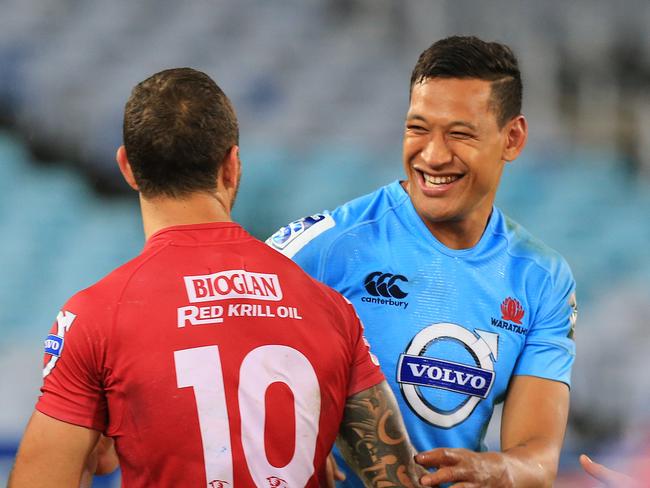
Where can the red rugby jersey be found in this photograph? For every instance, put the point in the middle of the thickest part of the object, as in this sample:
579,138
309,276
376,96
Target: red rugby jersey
212,360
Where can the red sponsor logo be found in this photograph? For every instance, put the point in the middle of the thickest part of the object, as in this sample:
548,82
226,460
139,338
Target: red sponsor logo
218,484
236,283
511,310
275,482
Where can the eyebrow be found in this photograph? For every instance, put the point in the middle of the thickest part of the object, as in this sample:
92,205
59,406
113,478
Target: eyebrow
451,124
416,117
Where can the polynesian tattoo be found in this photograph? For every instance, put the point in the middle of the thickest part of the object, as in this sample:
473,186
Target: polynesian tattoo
374,442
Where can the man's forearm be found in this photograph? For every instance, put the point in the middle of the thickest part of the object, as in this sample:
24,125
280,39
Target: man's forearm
532,429
374,442
533,463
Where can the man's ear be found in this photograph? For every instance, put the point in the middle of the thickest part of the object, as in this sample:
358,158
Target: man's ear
125,167
516,137
230,170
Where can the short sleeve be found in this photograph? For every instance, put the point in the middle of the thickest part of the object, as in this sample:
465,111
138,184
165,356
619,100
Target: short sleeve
305,242
365,371
549,351
72,388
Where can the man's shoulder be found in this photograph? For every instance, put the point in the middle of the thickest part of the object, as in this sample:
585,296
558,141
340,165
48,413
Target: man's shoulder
106,292
321,230
522,245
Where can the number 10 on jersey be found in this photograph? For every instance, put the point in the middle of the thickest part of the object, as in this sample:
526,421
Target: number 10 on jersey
201,369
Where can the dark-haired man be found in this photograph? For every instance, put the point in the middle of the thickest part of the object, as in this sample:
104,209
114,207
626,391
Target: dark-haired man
203,357
462,306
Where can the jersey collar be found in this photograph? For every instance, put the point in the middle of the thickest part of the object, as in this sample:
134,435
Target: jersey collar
406,211
193,234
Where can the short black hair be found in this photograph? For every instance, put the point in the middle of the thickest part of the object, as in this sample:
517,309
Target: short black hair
471,57
178,127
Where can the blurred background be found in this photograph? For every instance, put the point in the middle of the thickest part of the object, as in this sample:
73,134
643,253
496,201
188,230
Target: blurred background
321,88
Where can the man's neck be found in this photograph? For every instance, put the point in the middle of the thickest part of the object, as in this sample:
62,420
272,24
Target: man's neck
458,234
462,233
196,208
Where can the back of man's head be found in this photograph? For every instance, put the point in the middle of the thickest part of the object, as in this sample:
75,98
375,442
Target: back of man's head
470,57
178,127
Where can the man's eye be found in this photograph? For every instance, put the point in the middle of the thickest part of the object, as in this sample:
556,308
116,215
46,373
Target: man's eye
415,127
461,135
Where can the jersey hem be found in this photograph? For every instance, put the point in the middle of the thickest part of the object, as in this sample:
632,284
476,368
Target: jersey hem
72,419
545,377
376,378
537,342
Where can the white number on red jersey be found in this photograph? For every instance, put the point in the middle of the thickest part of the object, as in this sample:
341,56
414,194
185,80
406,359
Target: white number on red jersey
200,368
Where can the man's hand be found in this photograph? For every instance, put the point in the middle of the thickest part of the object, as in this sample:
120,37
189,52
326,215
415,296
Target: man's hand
332,472
607,476
468,469
530,442
107,460
102,460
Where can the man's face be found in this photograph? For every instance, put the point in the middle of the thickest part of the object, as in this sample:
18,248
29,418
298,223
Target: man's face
453,150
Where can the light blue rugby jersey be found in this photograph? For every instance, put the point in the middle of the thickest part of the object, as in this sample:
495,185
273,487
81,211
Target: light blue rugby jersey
450,327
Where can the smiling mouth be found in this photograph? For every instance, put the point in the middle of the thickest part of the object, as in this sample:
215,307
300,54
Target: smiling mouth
431,181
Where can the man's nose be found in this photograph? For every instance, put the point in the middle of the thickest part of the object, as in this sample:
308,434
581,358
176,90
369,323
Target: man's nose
436,151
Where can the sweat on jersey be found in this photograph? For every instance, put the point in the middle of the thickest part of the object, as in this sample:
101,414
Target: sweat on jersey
212,361
449,327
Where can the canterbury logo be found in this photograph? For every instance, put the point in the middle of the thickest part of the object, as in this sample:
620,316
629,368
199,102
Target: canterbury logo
385,285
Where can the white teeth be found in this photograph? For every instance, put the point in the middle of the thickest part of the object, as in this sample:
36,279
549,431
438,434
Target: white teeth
438,180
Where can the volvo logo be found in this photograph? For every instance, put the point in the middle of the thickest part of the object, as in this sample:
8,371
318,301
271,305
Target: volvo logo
416,370
385,285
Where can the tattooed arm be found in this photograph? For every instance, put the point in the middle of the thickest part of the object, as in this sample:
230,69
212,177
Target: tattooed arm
374,441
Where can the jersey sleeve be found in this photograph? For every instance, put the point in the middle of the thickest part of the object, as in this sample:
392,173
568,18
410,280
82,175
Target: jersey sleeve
72,375
549,351
365,371
305,241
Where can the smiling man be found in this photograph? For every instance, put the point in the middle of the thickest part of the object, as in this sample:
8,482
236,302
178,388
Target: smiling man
464,308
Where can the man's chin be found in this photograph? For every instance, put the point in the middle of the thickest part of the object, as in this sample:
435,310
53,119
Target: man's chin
436,216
